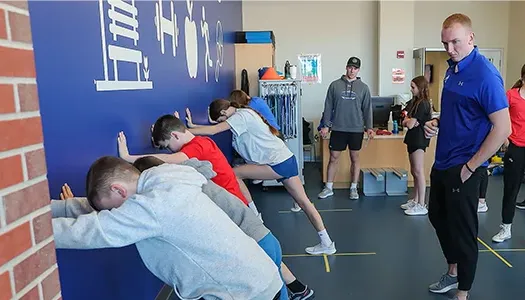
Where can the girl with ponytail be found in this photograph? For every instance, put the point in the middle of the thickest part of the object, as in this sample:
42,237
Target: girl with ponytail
267,158
514,159
256,103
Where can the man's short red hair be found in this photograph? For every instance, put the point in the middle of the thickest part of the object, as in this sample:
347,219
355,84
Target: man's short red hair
457,19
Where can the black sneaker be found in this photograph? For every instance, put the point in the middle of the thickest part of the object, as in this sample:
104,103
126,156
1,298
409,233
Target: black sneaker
521,205
307,294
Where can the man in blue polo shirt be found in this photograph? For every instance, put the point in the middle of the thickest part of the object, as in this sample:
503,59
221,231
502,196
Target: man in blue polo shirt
473,124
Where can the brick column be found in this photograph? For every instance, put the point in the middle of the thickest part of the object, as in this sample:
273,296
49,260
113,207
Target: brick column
28,268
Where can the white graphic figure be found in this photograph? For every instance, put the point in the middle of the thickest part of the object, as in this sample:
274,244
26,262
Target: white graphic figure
190,36
126,15
219,41
206,35
166,26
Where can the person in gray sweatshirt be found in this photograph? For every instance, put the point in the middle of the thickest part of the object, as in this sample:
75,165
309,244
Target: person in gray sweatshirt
238,212
164,212
348,114
243,216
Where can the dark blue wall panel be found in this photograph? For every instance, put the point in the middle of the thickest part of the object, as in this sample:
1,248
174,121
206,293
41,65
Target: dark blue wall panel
81,117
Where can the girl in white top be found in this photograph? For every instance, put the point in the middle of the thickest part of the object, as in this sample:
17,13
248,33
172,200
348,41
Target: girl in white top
267,157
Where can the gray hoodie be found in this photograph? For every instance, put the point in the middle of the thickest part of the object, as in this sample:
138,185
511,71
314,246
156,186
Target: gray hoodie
170,217
238,212
347,106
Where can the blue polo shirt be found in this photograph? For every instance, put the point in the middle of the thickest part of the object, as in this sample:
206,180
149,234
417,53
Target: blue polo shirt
259,105
473,89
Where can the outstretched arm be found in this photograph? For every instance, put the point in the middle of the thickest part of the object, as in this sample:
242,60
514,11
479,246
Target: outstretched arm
205,129
123,151
130,223
210,130
70,208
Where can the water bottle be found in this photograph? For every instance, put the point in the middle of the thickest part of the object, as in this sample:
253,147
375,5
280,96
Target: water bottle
396,129
287,70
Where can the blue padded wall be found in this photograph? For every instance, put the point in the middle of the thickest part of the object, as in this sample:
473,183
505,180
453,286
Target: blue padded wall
84,103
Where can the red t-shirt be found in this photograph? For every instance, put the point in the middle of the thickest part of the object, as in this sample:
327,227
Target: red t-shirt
517,117
204,148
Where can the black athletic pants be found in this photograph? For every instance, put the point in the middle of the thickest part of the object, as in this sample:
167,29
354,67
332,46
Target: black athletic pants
453,211
514,166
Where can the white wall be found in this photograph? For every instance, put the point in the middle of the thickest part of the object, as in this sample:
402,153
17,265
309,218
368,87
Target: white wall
489,18
396,32
337,30
516,52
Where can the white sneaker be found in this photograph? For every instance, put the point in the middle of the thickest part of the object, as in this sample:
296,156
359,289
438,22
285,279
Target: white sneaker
503,235
482,207
321,249
417,210
326,192
409,204
354,195
257,181
296,207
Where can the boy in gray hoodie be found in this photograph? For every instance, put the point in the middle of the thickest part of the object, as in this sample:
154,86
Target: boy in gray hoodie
165,213
239,213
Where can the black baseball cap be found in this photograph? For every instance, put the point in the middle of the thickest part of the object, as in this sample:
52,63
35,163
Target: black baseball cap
354,62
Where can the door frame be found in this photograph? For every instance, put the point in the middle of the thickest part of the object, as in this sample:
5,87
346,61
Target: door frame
423,50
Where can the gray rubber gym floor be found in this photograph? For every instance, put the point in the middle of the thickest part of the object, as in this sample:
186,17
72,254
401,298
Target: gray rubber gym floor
384,254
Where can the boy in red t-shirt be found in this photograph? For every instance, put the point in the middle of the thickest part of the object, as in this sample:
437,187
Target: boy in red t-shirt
169,132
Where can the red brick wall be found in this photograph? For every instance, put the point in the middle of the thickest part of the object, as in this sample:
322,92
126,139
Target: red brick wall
28,268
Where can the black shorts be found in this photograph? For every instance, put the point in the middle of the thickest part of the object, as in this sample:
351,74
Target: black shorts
412,149
340,139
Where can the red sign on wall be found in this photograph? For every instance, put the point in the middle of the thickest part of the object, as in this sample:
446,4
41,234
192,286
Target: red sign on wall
400,54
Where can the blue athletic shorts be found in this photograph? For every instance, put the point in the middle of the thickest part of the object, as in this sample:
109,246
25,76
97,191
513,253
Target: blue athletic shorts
271,246
287,169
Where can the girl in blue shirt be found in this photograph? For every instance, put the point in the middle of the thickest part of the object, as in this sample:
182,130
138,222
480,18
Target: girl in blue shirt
256,103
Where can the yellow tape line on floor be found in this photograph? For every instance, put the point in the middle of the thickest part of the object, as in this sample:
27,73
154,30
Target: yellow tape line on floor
495,253
326,263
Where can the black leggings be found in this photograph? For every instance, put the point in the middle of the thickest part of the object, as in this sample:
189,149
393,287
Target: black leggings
483,184
514,166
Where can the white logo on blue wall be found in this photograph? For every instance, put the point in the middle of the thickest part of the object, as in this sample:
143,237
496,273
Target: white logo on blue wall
219,42
190,36
123,26
166,26
205,33
127,15
348,95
